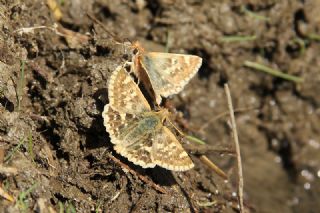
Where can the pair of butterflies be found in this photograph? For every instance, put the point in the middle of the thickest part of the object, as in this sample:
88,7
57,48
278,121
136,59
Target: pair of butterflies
138,132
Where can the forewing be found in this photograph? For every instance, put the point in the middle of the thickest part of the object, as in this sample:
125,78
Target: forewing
169,73
168,153
124,94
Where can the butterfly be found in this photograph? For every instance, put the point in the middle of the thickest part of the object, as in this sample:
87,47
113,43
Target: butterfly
167,73
138,132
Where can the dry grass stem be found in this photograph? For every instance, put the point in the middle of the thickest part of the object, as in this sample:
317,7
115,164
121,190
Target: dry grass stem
237,146
213,166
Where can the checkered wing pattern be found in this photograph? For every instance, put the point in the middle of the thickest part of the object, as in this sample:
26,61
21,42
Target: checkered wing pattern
169,73
168,153
124,94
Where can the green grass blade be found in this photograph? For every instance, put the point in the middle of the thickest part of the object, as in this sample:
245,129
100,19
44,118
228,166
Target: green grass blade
61,207
70,208
21,201
14,150
273,72
313,36
194,139
254,15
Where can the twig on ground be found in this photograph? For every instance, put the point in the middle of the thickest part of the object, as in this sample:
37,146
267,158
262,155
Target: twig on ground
115,196
143,178
57,29
213,166
39,118
205,159
1,154
74,39
8,170
27,30
237,146
207,204
20,84
201,150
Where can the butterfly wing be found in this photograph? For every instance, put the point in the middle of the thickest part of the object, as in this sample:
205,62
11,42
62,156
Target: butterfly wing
120,126
116,123
124,94
168,153
139,153
169,73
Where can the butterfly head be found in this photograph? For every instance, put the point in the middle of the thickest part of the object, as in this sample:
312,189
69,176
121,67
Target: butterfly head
163,113
137,49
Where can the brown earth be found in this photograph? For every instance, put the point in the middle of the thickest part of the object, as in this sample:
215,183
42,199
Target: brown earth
53,88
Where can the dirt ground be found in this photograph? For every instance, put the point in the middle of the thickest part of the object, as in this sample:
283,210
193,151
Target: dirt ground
55,155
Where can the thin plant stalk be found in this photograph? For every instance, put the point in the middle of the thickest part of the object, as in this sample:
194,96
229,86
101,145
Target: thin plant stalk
274,72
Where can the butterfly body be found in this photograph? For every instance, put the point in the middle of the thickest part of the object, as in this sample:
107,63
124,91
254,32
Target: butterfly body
145,124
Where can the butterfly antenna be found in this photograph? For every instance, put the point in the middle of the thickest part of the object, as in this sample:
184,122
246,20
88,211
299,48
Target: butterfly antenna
114,37
176,128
